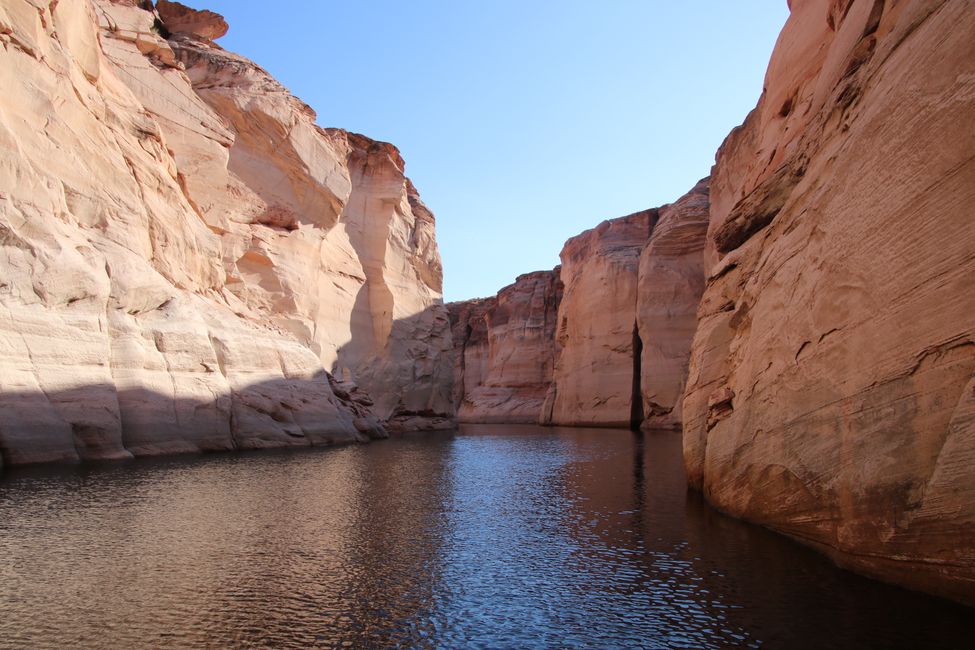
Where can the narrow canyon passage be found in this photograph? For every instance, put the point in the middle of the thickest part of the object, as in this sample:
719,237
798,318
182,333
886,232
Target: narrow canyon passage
193,261
496,536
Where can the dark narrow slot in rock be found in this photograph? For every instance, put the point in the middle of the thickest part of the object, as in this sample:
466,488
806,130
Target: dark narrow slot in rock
459,396
636,396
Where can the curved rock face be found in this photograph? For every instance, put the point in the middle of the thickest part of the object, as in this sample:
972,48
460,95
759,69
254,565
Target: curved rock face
602,340
594,374
179,18
832,386
632,287
505,350
186,253
670,281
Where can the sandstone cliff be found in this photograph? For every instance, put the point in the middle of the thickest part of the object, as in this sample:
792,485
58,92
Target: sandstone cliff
602,340
185,252
505,350
632,287
670,283
594,382
832,386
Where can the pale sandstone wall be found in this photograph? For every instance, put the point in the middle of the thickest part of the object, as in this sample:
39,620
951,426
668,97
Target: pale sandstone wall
670,281
185,252
832,386
505,350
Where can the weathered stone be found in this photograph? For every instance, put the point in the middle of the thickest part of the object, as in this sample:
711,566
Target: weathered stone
505,350
185,253
597,330
602,340
670,284
832,386
180,19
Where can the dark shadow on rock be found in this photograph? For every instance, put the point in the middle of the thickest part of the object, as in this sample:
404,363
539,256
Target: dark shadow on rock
102,422
405,365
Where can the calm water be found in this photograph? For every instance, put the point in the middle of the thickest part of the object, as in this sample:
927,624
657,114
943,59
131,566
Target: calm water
495,537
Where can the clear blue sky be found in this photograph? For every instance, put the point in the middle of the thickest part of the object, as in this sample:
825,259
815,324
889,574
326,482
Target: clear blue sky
522,122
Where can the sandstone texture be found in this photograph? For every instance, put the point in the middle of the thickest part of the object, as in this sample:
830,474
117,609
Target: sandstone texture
632,287
602,340
505,350
831,393
178,18
186,255
593,382
670,284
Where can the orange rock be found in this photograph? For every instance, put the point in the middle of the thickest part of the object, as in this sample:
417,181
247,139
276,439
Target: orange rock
594,373
505,350
839,309
602,340
180,19
671,281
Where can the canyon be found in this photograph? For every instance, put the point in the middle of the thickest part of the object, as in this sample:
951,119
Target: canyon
807,317
602,340
192,264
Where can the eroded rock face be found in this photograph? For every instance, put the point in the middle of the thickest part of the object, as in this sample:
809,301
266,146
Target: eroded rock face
186,253
632,287
832,386
602,340
505,350
597,333
671,281
180,19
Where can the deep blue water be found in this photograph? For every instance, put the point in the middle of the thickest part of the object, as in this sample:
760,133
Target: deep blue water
491,537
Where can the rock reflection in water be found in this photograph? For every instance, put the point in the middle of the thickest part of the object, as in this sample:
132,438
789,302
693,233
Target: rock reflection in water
500,536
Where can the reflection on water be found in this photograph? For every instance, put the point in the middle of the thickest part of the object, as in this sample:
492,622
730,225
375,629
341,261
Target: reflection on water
491,537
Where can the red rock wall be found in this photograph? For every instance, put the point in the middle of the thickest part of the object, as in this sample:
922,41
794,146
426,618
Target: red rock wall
602,340
832,386
670,284
593,378
505,350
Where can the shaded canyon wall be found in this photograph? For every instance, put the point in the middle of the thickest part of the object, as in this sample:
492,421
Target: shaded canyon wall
505,350
832,383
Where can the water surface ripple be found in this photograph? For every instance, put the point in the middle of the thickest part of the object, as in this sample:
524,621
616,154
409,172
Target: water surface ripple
493,537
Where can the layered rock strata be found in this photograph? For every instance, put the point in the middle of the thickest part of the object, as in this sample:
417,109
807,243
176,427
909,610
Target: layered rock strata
594,382
632,287
832,386
505,350
186,253
602,340
670,282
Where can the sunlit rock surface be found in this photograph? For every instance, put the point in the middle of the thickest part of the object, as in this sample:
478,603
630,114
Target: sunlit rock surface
593,381
670,284
185,253
632,287
601,340
832,386
505,350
